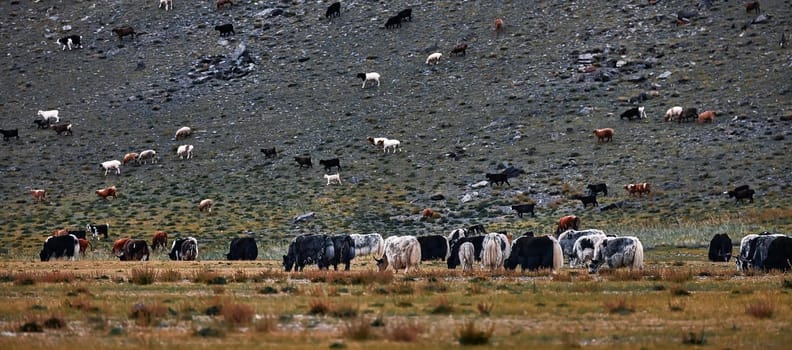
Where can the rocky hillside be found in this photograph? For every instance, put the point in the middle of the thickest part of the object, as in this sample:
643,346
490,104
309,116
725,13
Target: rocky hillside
528,98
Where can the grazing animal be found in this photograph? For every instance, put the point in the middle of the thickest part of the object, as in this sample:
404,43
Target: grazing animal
147,155
225,29
343,251
129,157
376,141
779,255
753,6
220,3
107,192
334,10
134,250
405,15
183,132
269,152
524,208
467,256
569,237
604,135
583,250
428,213
167,4
634,113
434,58
638,189
65,129
335,178
470,231
84,245
688,114
80,234
60,247
112,165
460,49
597,188
673,113
401,252
720,248
741,193
206,205
495,179
330,163
159,241
39,195
373,76
368,244
184,249
70,41
8,134
42,123
125,31
498,26
392,145
478,244
754,249
118,246
96,230
532,253
242,248
309,249
568,222
706,117
434,247
50,116
492,255
616,252
586,200
184,151
303,161
393,22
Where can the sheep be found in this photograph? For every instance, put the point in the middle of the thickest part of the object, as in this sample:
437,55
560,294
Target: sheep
124,31
184,151
393,22
376,141
42,123
459,49
49,116
182,133
673,113
70,41
107,192
112,165
369,76
206,205
62,128
335,178
168,4
706,117
604,135
131,156
146,155
39,195
220,3
434,58
391,145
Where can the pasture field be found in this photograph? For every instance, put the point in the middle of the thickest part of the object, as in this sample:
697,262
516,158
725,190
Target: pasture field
678,300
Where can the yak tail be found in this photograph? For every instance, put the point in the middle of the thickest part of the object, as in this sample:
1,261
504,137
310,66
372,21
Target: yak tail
76,249
638,258
380,249
448,250
415,257
558,255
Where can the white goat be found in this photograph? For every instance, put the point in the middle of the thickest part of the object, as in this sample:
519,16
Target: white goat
434,58
368,77
392,145
336,178
184,151
111,165
51,114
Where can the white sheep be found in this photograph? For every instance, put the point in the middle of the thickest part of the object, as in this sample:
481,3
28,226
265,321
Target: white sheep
184,151
673,113
112,164
369,76
167,3
434,58
336,178
146,155
182,133
392,145
51,114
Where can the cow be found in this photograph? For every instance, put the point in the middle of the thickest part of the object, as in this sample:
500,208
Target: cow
638,189
118,246
111,191
84,245
568,238
334,10
583,250
478,243
8,134
586,200
330,163
533,253
185,249
134,250
779,255
467,256
97,230
634,113
303,161
65,129
225,29
741,192
616,252
720,248
459,50
594,189
524,208
38,195
60,247
401,252
368,244
434,247
80,234
242,248
568,222
309,249
70,41
495,179
754,249
343,251
160,240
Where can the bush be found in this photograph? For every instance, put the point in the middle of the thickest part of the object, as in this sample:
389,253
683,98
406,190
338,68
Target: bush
54,323
358,329
147,315
404,332
237,314
620,307
761,309
31,327
318,307
442,307
469,335
142,276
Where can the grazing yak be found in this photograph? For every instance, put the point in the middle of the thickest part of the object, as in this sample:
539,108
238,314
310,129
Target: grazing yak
108,192
741,192
9,134
720,248
524,208
38,195
616,252
70,41
225,29
467,256
185,249
372,76
309,249
469,231
604,135
638,189
500,178
495,247
401,252
568,238
478,244
532,253
334,10
755,249
586,200
303,161
434,247
269,152
133,250
66,246
330,163
242,248
583,250
206,205
343,251
459,50
368,244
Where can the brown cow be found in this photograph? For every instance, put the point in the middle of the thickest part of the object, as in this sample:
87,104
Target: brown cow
498,26
160,240
107,192
38,195
569,222
706,117
84,245
604,135
638,189
118,246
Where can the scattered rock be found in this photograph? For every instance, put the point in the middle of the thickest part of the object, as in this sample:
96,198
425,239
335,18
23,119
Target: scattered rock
665,75
304,217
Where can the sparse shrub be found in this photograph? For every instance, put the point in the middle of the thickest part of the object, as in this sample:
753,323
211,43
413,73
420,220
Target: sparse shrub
318,307
31,327
786,284
54,323
402,288
142,276
344,311
80,303
237,314
469,335
146,315
442,307
24,279
761,309
620,307
404,331
358,329
676,275
691,338
169,275
210,332
484,309
679,292
676,305
266,324
268,290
